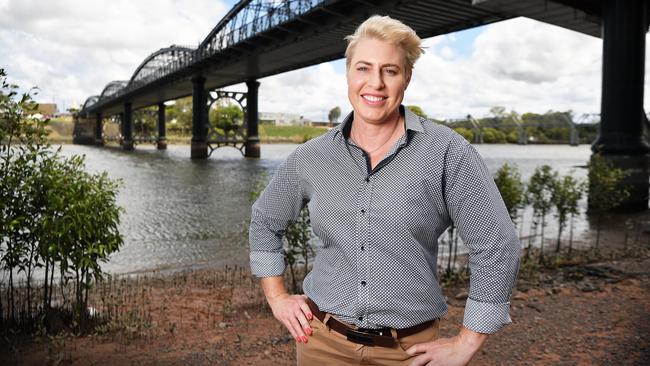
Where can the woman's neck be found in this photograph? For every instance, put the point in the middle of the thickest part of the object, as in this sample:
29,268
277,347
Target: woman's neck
376,139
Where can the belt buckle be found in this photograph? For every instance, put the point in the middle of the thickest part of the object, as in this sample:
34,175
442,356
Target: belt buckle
359,337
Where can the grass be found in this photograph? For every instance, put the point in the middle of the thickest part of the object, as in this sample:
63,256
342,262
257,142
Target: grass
297,134
61,131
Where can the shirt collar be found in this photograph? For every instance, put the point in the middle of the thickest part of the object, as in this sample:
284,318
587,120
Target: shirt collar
413,123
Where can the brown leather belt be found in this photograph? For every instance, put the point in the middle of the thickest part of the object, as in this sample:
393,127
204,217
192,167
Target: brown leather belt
382,337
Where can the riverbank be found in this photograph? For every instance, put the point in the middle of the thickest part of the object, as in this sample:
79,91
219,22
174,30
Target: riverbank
60,132
592,313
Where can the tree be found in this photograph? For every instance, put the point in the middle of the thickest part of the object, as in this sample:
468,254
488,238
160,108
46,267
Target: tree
298,248
226,116
605,189
180,115
334,114
145,121
417,110
52,212
508,181
493,136
539,192
498,112
566,193
465,132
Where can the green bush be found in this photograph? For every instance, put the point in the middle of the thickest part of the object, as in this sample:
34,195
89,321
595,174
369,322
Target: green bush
493,136
53,214
508,181
566,194
538,195
465,132
605,189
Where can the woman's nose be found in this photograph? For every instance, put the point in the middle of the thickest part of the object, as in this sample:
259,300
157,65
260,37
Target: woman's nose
376,80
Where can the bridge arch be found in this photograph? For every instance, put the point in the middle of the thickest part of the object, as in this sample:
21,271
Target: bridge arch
159,59
112,88
250,17
90,101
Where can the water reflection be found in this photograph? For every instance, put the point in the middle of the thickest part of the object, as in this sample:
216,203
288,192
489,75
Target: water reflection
182,212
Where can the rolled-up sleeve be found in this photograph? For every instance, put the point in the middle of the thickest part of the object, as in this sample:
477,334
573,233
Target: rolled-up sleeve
278,205
477,209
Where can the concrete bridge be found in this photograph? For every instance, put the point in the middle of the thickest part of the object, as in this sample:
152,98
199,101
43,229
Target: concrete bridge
258,38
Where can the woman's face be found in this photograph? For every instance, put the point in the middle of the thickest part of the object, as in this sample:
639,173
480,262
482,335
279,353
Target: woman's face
377,79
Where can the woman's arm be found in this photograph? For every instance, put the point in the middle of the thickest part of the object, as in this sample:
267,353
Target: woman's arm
291,310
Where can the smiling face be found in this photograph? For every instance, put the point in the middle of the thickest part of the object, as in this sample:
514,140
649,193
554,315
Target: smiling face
377,79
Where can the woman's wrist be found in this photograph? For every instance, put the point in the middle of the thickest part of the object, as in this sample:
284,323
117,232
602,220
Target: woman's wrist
470,340
274,288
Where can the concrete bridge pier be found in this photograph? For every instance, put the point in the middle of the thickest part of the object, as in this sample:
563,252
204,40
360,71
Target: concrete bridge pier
162,137
127,127
199,119
99,138
621,140
252,148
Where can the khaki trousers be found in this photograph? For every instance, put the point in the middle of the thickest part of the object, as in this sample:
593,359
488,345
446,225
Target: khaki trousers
327,347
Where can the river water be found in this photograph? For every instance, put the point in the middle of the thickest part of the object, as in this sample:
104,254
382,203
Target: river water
181,213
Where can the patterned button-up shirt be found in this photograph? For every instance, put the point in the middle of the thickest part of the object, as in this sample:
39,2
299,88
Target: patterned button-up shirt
379,228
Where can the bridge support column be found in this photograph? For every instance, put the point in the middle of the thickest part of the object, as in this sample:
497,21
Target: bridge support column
252,149
621,139
199,119
127,127
162,137
99,138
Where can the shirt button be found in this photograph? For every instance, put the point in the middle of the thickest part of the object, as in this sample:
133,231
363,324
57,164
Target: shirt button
367,179
360,318
363,211
362,247
363,283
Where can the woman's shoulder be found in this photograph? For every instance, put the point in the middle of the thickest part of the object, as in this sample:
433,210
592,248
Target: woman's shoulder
442,136
320,143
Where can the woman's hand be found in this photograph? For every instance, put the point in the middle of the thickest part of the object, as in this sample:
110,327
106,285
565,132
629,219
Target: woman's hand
454,351
294,313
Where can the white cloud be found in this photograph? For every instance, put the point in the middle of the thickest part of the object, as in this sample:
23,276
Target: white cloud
520,64
311,92
72,48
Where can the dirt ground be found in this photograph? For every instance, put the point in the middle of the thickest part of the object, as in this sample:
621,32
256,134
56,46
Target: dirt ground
596,314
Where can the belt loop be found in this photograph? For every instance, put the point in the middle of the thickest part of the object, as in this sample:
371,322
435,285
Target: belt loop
326,319
393,332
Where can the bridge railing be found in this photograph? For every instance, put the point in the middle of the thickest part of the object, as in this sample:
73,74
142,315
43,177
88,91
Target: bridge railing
230,34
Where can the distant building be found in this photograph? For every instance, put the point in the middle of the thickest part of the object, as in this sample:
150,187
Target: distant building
47,110
281,119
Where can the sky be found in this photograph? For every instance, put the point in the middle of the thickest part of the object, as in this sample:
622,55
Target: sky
70,49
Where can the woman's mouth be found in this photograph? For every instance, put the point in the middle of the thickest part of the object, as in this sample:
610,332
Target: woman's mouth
373,99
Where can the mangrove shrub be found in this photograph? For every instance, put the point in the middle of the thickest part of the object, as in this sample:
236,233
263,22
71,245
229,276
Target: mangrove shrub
54,216
606,191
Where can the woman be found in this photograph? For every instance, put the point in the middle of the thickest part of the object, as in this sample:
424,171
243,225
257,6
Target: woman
381,188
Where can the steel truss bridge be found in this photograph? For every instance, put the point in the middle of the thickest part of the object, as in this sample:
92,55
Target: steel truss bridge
258,38
477,126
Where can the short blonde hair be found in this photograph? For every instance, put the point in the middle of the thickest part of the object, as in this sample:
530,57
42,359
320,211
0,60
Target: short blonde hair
385,28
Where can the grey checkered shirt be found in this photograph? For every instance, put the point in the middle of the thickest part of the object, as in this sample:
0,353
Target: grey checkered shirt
379,227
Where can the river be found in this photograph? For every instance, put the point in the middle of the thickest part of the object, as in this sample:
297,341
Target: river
181,213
